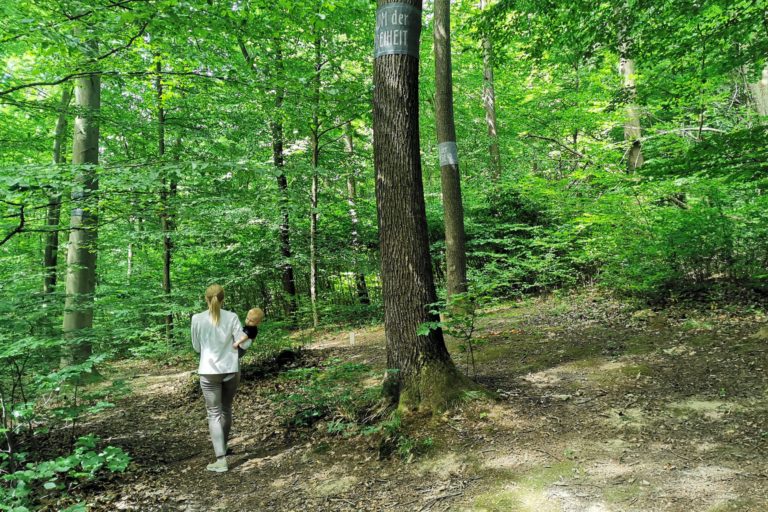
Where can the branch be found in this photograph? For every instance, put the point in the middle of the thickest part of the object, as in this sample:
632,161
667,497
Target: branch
70,18
686,130
80,74
338,125
18,228
555,141
126,45
244,51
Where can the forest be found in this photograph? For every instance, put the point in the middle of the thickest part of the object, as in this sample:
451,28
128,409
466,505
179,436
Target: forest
513,254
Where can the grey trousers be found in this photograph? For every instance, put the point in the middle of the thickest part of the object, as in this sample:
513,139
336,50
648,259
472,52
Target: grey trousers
219,392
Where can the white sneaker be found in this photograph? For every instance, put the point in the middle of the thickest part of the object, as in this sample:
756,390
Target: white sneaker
220,466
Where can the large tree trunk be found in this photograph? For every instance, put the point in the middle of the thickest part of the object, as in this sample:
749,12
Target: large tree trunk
759,92
51,254
453,209
315,149
167,191
81,253
489,103
632,125
424,376
278,159
360,284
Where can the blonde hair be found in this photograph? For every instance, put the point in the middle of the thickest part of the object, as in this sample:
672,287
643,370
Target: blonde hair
254,317
214,296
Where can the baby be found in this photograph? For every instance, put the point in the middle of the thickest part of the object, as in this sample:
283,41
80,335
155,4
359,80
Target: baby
251,329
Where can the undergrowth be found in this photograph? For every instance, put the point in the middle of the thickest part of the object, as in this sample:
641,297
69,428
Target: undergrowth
346,397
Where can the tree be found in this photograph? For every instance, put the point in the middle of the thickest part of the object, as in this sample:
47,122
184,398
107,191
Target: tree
632,131
360,284
50,256
424,375
489,101
759,92
314,147
167,194
81,253
453,208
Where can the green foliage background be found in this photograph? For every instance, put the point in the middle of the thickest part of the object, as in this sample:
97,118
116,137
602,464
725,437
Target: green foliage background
564,212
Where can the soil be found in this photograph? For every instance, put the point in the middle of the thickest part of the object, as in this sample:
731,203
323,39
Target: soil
599,407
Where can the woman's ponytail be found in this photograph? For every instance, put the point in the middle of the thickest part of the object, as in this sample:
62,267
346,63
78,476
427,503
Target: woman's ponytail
214,296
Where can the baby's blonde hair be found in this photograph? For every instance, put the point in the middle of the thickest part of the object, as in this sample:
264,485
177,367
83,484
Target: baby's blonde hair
254,316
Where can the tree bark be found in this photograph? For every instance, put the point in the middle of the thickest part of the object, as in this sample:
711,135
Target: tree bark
450,180
632,132
759,92
315,162
360,284
422,374
167,191
51,254
81,253
489,103
278,159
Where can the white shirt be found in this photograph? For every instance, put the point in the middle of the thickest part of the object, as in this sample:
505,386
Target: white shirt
214,342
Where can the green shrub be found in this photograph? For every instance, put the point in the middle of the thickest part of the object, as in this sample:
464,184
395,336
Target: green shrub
20,488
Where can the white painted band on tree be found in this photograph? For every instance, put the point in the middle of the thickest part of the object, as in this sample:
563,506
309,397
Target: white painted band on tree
398,27
449,153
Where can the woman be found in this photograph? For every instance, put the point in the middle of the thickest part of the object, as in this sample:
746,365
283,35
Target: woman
213,334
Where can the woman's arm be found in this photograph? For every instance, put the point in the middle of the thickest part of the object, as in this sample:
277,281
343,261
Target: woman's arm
238,335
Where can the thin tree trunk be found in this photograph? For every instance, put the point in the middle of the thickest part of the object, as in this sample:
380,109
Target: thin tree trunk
632,132
81,253
489,103
168,188
278,159
360,284
453,208
759,92
51,255
315,148
423,375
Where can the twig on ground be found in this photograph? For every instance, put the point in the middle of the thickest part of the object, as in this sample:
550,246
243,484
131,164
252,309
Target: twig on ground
558,459
434,500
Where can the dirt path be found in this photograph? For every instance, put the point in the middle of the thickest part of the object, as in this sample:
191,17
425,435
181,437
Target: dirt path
600,409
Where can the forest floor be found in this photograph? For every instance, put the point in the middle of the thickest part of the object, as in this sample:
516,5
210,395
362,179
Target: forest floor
601,407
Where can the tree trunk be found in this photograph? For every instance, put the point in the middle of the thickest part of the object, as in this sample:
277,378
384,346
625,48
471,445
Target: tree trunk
315,149
81,253
489,103
450,180
424,376
167,191
360,284
759,92
632,125
51,254
278,159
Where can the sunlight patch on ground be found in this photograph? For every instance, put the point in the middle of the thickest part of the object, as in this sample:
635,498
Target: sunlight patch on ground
710,409
443,467
708,486
631,418
334,486
517,460
558,487
586,372
505,418
609,470
144,385
330,482
277,460
517,498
